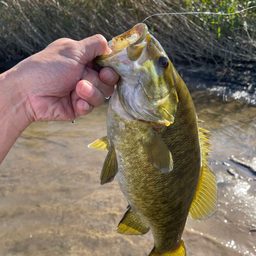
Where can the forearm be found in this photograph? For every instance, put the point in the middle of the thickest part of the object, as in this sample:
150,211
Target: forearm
13,115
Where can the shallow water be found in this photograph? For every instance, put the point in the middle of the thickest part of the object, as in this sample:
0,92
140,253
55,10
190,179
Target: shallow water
51,202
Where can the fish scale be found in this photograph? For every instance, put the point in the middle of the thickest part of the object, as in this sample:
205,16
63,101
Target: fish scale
156,150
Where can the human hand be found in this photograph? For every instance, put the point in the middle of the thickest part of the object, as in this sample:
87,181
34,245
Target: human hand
61,82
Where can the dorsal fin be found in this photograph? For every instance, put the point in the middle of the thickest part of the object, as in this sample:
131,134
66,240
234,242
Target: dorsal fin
204,203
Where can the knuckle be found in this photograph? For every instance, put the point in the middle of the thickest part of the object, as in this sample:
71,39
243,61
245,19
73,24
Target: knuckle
101,38
62,42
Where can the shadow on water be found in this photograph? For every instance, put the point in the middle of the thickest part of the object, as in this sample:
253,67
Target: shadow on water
51,202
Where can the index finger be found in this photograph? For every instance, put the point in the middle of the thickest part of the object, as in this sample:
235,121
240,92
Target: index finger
92,47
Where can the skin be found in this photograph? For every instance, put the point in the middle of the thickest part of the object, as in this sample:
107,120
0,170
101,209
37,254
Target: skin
59,83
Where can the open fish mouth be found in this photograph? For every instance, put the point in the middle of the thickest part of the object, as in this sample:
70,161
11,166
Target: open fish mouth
132,40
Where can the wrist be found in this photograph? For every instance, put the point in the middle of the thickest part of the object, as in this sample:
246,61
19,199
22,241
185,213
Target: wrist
14,117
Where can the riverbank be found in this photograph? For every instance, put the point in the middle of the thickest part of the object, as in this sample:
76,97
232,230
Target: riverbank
51,202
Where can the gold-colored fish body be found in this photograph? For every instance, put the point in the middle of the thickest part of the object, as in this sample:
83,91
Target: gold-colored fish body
155,148
161,200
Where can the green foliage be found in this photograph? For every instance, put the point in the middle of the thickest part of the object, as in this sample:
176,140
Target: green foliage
222,25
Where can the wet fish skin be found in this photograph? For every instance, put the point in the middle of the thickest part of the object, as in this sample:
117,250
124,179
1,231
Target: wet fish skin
160,194
151,194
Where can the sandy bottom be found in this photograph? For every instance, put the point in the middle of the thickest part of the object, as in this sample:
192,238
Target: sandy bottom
51,202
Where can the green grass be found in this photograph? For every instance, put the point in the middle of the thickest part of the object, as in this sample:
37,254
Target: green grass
29,26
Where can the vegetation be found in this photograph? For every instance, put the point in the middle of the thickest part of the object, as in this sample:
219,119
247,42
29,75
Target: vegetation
28,26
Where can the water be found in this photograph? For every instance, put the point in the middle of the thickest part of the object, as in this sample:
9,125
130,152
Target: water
51,202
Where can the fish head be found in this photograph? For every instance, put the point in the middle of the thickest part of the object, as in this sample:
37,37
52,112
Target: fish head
147,78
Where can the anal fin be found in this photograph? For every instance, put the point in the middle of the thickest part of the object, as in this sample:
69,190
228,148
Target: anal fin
179,251
109,168
131,224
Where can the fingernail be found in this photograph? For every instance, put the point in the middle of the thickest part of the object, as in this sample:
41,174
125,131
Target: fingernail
86,106
87,89
109,51
108,76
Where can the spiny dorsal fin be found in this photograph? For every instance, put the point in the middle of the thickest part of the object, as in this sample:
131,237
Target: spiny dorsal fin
109,168
204,203
158,154
180,251
131,224
100,144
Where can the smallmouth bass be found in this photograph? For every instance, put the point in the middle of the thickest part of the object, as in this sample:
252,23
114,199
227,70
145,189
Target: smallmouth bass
156,150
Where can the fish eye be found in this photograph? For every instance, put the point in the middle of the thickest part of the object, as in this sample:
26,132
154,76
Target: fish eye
163,62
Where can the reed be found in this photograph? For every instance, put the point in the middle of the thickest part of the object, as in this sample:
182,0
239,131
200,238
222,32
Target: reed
28,26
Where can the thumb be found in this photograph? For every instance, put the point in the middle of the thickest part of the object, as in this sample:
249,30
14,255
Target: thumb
93,46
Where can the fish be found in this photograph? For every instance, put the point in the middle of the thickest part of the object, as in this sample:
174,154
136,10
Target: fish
156,149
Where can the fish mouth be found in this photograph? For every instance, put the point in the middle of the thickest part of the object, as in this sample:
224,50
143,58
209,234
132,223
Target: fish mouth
133,40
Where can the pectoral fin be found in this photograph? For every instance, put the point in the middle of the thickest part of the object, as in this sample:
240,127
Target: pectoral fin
179,251
100,144
131,224
158,154
110,167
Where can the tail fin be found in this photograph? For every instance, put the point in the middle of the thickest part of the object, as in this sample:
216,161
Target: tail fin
180,251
